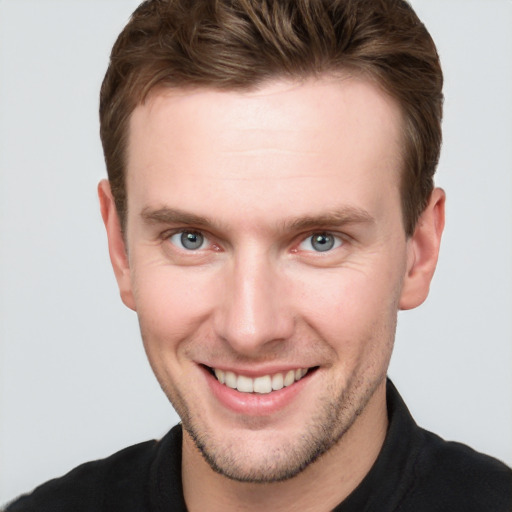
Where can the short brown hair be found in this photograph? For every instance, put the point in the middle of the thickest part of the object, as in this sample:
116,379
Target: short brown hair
238,44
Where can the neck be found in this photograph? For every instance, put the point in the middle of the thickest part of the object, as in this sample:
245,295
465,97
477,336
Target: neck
320,487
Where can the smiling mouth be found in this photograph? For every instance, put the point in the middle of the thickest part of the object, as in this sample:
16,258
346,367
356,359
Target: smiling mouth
262,385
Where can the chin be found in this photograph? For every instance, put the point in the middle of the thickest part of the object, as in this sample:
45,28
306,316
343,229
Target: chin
268,454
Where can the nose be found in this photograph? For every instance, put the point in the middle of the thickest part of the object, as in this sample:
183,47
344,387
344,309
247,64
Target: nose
253,313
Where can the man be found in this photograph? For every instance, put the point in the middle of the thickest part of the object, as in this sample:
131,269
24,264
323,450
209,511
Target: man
270,208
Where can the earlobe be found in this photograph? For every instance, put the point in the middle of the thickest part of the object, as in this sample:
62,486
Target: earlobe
423,251
116,243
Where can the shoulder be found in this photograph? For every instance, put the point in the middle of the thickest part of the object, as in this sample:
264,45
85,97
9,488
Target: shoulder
87,487
453,476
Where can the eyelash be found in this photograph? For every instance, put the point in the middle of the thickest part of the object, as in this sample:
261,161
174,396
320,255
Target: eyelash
338,240
206,239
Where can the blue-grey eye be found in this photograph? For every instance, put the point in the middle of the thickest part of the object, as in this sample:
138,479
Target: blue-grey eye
320,242
190,240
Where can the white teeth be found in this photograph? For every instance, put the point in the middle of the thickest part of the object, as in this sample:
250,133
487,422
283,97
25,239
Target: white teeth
277,381
244,384
220,376
289,378
230,380
263,385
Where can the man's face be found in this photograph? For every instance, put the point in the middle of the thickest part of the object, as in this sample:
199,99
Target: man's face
265,241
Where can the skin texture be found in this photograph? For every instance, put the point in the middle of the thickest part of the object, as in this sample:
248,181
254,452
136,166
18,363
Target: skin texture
257,174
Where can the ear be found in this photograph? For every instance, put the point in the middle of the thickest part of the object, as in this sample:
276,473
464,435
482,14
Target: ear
116,243
422,252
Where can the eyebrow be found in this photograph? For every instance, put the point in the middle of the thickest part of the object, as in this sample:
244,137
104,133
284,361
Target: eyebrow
336,217
174,216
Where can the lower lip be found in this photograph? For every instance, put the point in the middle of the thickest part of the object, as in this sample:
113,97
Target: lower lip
255,404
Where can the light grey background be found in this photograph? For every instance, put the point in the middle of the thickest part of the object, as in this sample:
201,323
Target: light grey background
75,384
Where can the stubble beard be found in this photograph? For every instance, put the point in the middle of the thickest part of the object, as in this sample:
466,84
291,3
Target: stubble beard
338,410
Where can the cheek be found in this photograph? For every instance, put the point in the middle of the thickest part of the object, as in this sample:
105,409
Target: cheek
350,308
171,302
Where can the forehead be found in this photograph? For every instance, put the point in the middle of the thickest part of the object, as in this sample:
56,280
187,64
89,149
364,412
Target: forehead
286,135
328,107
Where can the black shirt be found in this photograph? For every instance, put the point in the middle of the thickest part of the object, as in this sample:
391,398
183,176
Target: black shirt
416,471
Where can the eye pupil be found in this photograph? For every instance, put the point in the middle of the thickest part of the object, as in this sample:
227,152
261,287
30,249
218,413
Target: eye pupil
322,242
191,240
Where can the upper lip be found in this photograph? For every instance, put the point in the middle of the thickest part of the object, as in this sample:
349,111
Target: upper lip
255,372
